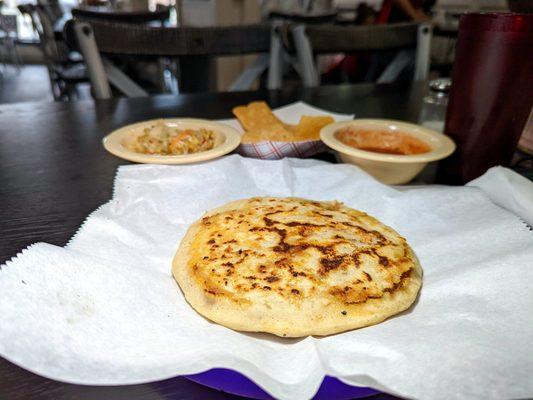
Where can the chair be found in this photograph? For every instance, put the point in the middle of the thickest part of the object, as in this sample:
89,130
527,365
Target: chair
282,20
304,18
64,73
162,78
98,39
161,14
310,40
52,8
8,39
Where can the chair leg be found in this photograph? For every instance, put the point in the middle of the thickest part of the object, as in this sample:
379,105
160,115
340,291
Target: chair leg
174,73
18,57
423,52
13,52
162,83
71,91
276,59
95,68
2,62
305,57
291,61
121,81
245,80
58,91
395,67
55,86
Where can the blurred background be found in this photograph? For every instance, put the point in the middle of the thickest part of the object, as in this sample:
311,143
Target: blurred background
41,59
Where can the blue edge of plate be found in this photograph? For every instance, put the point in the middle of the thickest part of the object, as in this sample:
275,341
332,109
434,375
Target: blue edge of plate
233,382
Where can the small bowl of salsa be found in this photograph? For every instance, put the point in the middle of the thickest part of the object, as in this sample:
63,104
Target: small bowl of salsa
393,152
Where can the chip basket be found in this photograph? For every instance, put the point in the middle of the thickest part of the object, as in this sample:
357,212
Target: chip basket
278,150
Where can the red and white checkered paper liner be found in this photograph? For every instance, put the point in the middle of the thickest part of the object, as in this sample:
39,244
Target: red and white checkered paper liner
277,150
289,114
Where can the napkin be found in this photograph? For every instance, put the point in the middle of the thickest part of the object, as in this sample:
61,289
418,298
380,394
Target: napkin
289,114
105,309
508,190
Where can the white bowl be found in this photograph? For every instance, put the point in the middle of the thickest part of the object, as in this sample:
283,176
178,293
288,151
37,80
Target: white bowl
389,168
226,140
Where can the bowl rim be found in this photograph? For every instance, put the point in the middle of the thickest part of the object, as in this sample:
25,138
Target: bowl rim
442,146
113,142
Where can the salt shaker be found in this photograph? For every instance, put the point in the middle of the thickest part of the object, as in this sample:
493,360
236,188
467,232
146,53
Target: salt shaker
433,116
433,113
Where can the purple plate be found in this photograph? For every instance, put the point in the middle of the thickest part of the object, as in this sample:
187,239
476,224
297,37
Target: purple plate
233,382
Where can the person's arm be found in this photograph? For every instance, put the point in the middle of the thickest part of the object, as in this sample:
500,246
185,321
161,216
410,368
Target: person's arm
409,10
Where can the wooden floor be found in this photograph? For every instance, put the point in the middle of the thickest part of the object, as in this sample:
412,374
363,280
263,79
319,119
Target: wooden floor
29,84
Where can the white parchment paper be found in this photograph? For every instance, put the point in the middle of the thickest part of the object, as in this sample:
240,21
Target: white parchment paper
105,309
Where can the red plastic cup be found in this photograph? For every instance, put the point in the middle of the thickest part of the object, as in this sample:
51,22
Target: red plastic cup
491,94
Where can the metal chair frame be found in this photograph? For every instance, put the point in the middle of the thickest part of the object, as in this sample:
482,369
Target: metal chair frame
161,15
323,39
94,42
8,40
63,73
52,8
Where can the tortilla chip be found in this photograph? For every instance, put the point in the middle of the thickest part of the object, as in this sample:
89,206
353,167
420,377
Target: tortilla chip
309,127
260,124
290,128
252,137
267,135
258,117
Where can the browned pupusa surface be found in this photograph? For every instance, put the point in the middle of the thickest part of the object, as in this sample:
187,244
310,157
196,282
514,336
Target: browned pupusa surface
295,267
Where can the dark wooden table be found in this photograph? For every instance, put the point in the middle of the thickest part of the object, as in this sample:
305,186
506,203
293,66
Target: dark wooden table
54,172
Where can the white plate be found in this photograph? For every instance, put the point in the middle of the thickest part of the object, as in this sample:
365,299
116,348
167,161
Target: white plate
226,140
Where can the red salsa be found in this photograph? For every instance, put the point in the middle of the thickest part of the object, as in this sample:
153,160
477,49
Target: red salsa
382,141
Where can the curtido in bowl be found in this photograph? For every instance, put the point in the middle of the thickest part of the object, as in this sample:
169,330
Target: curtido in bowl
172,141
